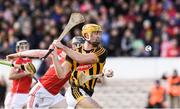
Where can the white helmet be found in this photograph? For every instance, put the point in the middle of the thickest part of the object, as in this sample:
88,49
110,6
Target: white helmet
22,44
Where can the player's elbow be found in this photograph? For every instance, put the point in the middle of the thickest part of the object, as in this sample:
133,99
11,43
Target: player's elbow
11,78
61,76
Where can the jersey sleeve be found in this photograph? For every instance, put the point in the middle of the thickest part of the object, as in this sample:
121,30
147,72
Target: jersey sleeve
101,54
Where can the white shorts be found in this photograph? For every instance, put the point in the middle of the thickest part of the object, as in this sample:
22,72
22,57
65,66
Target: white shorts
15,100
73,96
39,97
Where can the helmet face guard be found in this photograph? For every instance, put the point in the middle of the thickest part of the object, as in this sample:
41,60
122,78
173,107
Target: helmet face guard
89,28
22,45
77,41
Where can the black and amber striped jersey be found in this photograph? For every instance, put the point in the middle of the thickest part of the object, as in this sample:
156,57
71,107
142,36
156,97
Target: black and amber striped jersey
88,69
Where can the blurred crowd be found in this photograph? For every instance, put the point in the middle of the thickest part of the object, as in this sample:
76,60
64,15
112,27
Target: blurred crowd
128,25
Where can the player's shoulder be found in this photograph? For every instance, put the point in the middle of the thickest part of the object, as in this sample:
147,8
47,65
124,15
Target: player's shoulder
100,50
100,47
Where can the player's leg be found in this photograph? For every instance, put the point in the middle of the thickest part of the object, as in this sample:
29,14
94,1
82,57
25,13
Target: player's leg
32,96
70,100
58,98
59,101
8,100
88,102
39,98
78,98
19,101
36,97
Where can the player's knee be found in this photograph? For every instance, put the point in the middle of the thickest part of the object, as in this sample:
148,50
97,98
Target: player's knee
96,105
88,103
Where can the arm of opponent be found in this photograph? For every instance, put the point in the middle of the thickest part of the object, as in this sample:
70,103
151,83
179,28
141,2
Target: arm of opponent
29,53
13,75
61,70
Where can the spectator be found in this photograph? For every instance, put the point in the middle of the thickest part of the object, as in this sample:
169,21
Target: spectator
173,50
156,46
126,43
113,44
138,48
164,45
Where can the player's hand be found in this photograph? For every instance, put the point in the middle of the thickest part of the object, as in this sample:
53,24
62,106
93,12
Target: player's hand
30,75
11,56
108,73
58,44
54,52
29,69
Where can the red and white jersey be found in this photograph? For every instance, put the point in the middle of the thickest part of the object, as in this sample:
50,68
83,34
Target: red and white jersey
23,84
50,80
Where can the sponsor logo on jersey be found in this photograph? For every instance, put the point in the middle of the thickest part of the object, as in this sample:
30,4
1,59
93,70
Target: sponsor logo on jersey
84,67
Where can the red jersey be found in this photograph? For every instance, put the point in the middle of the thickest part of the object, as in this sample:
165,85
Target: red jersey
23,84
50,80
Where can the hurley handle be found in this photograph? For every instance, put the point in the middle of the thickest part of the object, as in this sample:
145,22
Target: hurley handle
47,54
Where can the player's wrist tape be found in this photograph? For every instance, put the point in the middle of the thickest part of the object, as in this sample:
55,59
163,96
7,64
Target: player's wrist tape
22,67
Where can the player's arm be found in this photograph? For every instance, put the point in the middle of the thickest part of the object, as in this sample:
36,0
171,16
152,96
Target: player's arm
98,56
61,70
89,58
15,75
29,53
